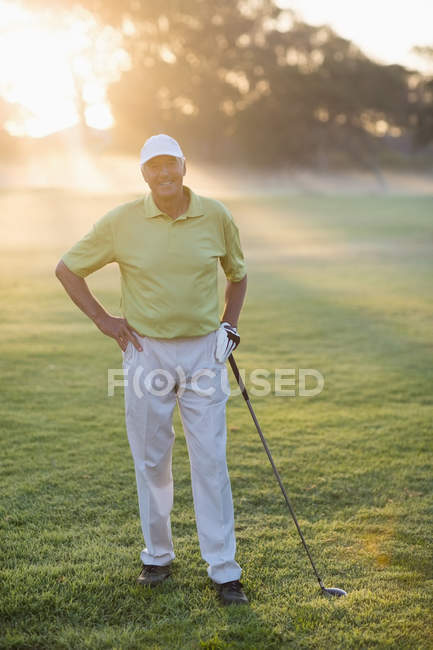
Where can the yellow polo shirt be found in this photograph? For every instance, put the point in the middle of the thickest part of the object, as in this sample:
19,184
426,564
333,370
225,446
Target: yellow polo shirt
168,266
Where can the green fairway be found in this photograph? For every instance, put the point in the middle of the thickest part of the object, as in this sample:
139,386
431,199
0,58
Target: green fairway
342,285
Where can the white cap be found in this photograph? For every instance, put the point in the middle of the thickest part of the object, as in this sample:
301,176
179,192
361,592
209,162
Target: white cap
160,145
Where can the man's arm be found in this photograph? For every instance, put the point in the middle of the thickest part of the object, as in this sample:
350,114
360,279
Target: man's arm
77,289
234,299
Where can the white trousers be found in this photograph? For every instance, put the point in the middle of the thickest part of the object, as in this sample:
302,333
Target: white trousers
183,370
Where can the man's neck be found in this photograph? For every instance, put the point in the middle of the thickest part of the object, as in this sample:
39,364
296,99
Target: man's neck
174,206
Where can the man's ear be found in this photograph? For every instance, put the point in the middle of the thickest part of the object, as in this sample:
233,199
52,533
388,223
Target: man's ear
184,167
143,171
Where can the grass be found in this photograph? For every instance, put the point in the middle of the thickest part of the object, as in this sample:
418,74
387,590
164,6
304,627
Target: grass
340,284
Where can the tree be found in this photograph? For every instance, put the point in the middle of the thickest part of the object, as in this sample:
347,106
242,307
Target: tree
246,79
422,100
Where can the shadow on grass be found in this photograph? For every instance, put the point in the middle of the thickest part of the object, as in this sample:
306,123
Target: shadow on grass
362,342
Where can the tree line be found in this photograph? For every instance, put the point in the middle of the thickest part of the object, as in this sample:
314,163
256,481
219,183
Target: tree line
248,81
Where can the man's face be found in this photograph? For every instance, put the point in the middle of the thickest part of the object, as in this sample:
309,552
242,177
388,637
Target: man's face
164,175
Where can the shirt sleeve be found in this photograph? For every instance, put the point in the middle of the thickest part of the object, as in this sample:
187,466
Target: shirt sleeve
233,261
93,251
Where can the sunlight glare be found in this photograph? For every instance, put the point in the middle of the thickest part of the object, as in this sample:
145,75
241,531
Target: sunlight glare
50,63
99,116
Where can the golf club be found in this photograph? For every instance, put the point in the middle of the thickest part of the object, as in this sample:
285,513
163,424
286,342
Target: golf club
331,591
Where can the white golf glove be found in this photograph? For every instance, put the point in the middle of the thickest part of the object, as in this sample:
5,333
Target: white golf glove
227,340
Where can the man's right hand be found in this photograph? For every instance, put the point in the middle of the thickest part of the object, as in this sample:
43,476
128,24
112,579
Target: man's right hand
119,329
76,287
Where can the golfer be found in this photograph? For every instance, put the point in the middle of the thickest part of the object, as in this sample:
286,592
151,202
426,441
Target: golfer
167,245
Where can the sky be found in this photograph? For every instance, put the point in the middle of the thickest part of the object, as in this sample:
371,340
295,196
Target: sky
385,30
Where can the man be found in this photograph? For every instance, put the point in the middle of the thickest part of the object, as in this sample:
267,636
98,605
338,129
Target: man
167,246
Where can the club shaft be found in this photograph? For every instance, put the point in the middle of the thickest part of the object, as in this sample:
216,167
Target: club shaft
271,460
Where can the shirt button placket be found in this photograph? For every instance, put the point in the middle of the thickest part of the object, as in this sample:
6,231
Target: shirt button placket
169,226
172,233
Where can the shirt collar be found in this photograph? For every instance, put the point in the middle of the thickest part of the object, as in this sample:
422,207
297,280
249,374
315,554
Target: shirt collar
195,208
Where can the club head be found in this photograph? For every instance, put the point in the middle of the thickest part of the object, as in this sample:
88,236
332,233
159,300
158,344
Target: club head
334,591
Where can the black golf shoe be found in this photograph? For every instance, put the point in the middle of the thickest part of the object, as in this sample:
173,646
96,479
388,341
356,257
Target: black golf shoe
152,575
231,593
